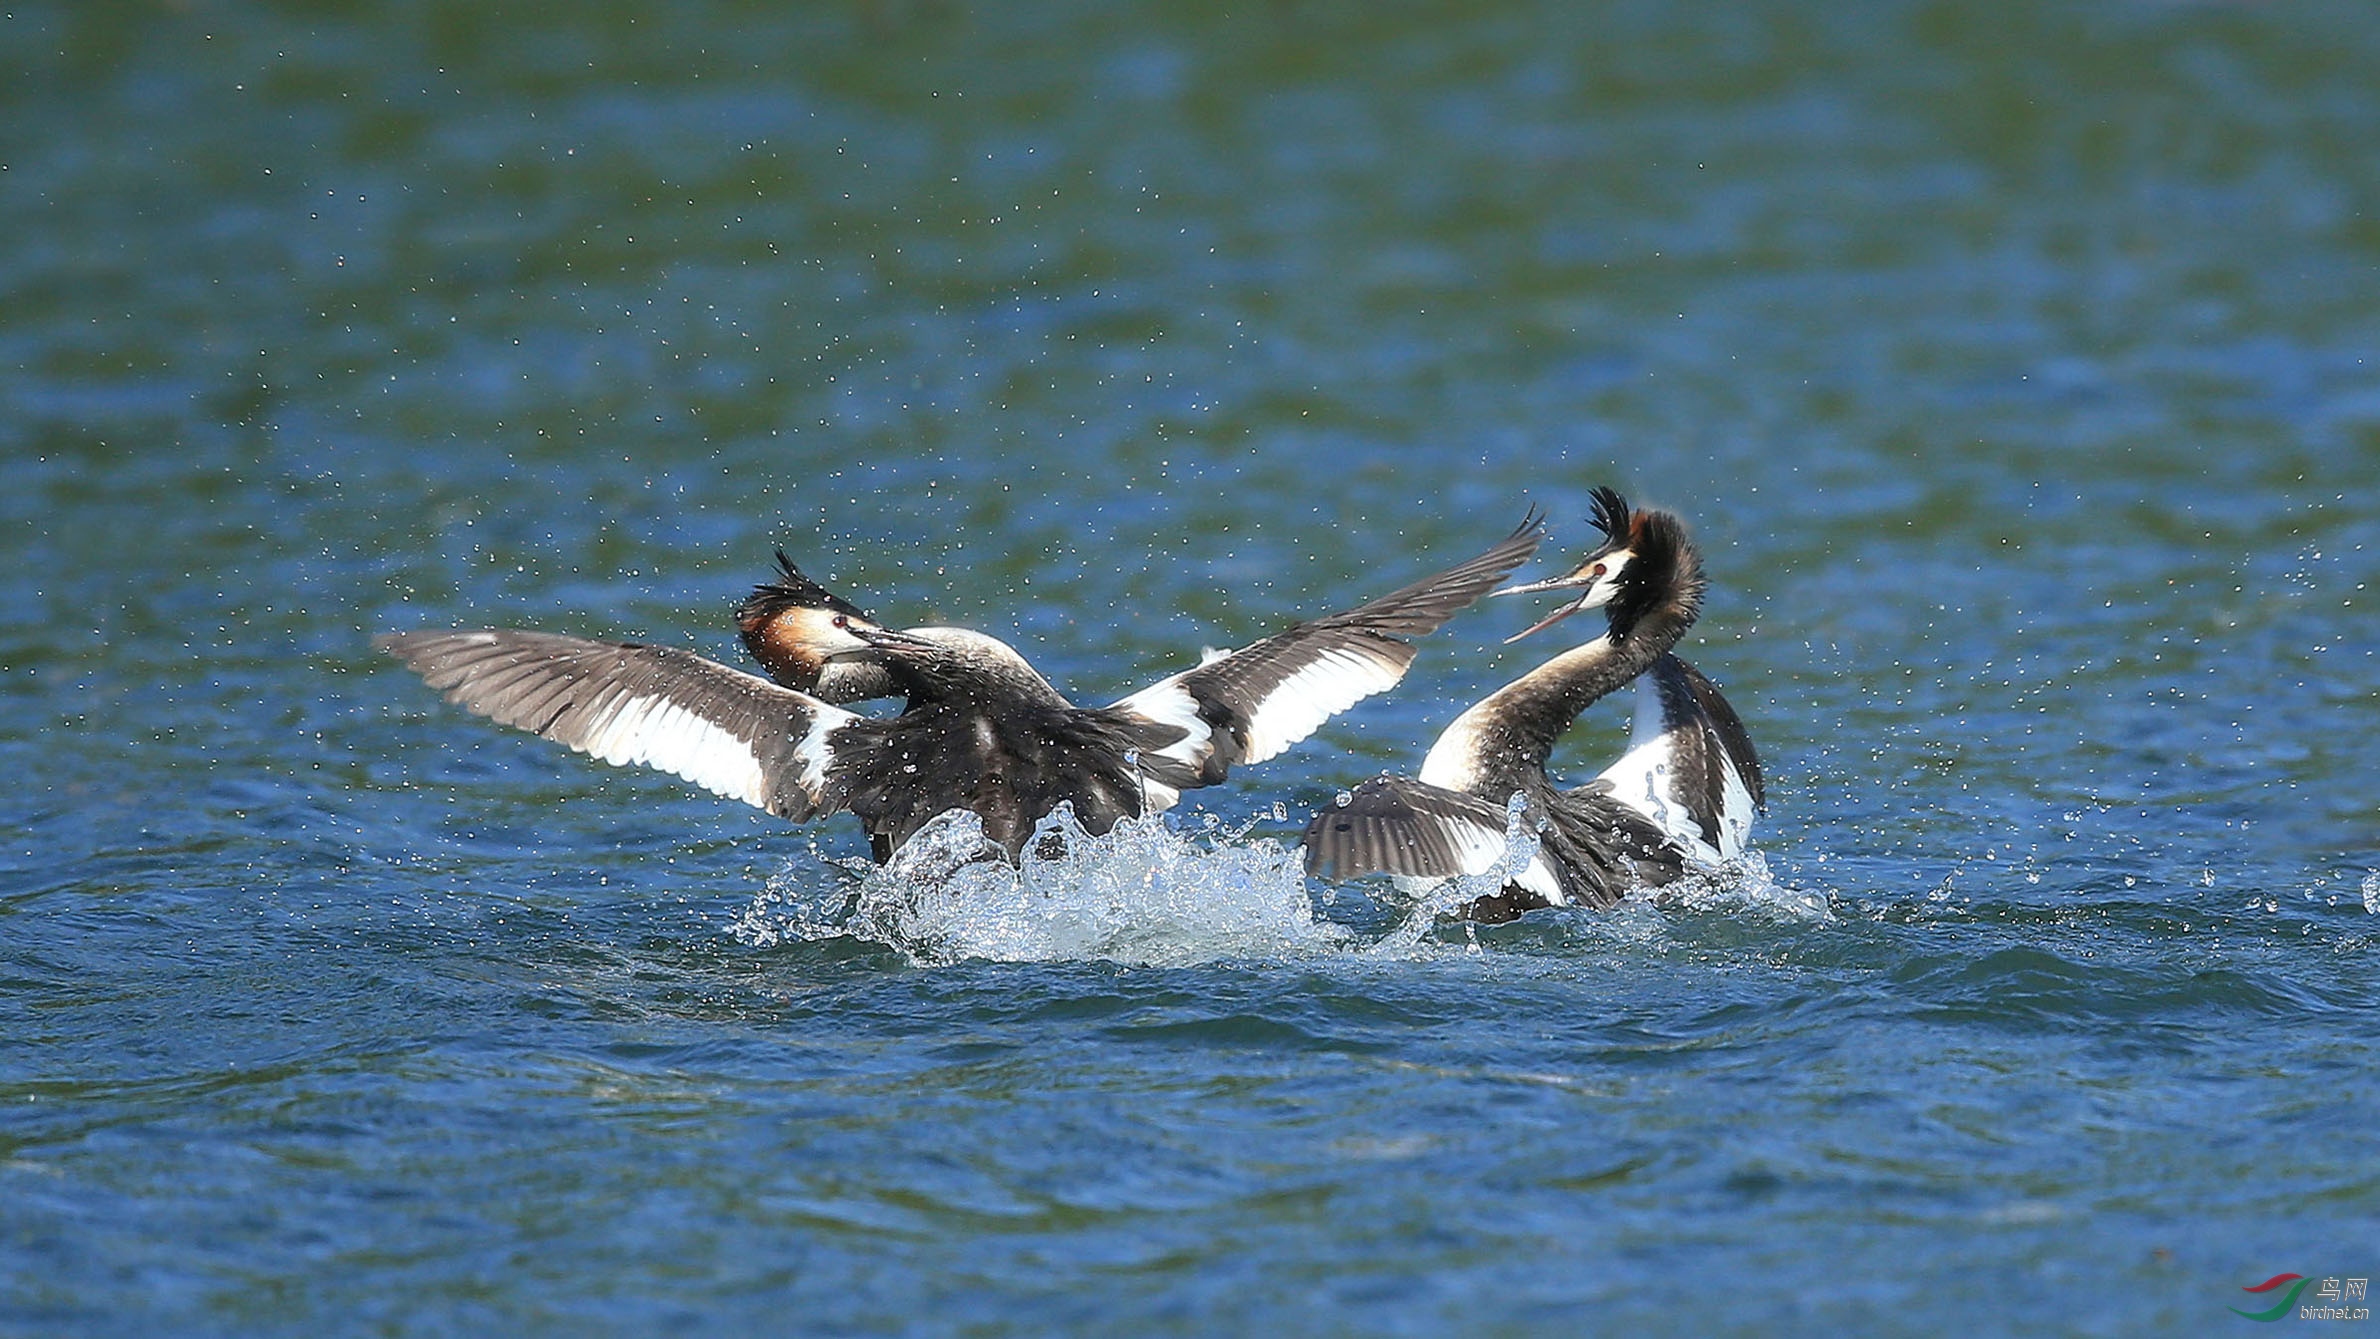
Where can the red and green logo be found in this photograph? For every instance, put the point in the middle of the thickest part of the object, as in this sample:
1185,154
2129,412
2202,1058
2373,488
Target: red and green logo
2297,1284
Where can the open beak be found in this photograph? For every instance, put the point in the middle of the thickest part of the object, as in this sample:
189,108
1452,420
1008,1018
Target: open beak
1586,574
1550,619
1570,581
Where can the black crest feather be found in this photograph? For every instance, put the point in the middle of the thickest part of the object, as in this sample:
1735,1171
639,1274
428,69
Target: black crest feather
791,590
1611,514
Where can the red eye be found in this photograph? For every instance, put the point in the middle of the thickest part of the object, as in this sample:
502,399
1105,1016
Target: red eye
1596,571
842,622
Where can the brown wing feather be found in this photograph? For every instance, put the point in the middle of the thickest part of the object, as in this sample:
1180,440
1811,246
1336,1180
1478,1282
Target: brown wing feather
725,730
1256,701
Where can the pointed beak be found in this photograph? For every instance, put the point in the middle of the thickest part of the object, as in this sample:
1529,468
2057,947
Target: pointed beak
1588,575
885,639
1550,619
1571,581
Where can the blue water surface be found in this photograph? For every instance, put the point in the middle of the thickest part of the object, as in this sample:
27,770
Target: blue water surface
2018,371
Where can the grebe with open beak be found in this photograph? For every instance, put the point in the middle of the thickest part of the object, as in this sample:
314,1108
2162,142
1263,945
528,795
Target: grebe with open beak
1683,795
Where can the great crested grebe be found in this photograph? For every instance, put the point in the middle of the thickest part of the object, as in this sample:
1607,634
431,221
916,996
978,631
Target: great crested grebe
1683,794
790,625
981,729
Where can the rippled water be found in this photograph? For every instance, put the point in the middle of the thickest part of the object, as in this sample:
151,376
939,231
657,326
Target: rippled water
2018,370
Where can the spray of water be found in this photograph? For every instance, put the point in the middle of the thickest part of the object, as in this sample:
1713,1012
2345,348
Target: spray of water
1141,894
1147,894
1742,887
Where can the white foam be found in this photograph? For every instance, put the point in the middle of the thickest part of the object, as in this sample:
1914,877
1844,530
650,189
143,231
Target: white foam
1148,895
1142,894
1742,884
1742,887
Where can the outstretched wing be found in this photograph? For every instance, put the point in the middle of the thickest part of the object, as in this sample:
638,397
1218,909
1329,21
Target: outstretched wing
1591,848
1396,825
727,731
1251,704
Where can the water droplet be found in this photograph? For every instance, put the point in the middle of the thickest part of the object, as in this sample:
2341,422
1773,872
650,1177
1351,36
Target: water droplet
1141,894
1343,799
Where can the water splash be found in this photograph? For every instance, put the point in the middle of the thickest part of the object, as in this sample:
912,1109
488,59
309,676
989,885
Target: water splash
1148,895
1744,885
1142,894
1436,904
2371,893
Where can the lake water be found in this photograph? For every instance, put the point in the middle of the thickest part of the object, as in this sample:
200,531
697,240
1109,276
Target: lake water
2018,368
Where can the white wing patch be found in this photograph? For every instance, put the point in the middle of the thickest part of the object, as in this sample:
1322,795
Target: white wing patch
1482,849
634,706
656,732
1735,814
1335,681
815,753
1644,780
1168,703
1479,848
1539,878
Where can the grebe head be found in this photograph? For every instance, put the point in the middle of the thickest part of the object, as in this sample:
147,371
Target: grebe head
1639,558
957,662
795,627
